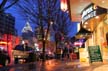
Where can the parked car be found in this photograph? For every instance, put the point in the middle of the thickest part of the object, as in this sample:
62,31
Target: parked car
20,56
4,57
23,54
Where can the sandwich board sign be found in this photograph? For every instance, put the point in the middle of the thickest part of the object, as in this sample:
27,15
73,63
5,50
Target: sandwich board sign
95,54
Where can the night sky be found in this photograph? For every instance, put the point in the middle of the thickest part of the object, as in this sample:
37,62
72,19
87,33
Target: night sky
20,22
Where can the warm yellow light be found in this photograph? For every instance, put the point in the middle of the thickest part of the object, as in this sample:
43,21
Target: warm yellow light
85,26
97,17
78,27
64,6
5,43
86,22
103,1
89,29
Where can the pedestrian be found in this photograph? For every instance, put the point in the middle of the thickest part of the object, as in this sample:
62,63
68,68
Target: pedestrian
70,56
65,53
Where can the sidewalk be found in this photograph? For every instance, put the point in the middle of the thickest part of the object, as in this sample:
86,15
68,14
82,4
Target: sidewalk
96,66
100,66
58,65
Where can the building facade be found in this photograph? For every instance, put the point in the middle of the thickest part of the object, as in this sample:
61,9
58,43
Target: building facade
27,34
94,18
8,34
7,23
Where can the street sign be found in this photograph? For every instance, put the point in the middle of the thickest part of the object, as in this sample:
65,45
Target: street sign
95,54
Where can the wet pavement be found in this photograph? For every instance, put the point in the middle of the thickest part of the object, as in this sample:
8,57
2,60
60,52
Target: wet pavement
56,65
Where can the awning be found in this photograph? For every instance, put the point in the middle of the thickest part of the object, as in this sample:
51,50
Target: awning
83,34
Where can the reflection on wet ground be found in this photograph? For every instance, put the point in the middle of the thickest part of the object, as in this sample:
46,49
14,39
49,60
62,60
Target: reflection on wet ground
55,65
49,65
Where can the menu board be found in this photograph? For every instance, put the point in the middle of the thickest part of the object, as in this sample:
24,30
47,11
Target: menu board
95,54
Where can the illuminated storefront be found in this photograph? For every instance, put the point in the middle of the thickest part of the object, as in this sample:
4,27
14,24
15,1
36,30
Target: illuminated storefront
94,19
8,42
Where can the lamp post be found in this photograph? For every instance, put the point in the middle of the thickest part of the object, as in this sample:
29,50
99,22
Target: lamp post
23,43
64,5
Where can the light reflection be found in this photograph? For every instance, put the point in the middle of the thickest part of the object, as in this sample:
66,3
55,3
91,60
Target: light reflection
97,17
49,65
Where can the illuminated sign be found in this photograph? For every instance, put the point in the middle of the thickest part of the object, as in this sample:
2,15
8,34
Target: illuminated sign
88,13
78,43
92,11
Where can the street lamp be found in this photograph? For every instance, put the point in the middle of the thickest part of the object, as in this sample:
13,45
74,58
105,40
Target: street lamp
64,6
36,47
23,43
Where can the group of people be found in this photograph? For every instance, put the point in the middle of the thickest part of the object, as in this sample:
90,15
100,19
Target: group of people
64,54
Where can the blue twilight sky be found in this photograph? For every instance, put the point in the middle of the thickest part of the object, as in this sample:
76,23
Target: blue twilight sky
20,22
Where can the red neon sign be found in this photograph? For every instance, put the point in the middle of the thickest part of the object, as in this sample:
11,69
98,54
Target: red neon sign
78,43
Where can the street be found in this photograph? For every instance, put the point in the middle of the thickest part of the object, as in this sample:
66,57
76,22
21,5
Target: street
56,65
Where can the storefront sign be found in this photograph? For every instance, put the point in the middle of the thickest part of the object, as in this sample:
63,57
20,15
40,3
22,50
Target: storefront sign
88,13
92,11
95,54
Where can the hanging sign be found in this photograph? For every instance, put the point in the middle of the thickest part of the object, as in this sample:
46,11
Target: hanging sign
92,11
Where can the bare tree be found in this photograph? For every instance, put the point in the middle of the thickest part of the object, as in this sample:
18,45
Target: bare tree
63,23
62,26
3,3
41,13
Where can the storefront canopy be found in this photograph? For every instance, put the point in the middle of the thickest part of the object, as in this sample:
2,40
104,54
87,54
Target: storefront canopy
83,34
